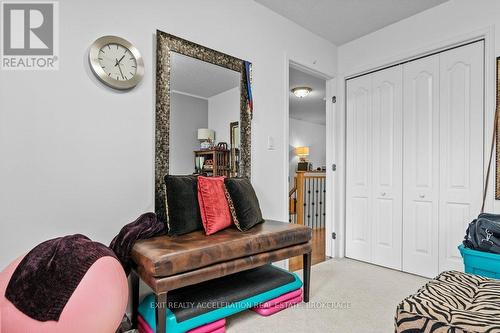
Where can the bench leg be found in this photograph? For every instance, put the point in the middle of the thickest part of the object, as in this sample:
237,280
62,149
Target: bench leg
134,278
306,275
161,312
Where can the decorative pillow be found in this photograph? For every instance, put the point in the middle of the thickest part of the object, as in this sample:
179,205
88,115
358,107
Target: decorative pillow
245,203
214,207
183,211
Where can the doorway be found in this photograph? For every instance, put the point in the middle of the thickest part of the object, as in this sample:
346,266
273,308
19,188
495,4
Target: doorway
307,151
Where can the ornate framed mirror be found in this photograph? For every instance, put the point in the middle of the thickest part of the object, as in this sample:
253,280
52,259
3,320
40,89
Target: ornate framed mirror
201,94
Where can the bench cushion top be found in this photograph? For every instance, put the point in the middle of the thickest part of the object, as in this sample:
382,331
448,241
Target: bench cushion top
168,255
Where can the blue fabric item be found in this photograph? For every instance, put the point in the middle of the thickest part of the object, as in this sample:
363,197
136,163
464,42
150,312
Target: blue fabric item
147,308
249,85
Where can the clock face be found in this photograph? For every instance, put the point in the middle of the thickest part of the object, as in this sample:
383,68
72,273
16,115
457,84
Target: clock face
117,62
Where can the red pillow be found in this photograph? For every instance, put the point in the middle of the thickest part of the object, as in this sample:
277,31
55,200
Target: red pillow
214,208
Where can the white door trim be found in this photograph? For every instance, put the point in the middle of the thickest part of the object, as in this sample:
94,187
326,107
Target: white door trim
331,176
487,34
289,61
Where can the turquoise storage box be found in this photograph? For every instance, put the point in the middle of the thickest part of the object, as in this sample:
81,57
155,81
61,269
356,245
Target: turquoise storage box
212,300
481,263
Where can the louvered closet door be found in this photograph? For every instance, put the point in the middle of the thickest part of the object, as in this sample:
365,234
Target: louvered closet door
387,210
358,172
421,166
461,147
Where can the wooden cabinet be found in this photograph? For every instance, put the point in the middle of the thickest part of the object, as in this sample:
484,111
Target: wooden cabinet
216,162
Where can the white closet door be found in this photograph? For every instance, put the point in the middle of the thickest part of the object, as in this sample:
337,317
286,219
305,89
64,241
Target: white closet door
421,166
461,147
358,172
386,217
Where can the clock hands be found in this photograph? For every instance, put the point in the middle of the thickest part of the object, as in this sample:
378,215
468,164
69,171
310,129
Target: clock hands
119,67
118,61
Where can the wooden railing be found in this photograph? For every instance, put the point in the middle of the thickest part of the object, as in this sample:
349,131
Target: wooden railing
292,204
307,206
307,199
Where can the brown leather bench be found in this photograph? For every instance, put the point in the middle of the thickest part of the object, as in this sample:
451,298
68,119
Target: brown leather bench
166,263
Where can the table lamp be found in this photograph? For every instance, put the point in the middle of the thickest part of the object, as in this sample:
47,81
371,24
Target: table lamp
206,137
302,153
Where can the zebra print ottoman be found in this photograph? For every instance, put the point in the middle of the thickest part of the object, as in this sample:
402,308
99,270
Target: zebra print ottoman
452,302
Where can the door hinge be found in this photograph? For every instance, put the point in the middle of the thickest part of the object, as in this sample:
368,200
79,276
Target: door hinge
334,99
334,235
334,167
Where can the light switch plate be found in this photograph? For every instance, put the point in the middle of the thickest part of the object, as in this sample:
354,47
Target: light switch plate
270,143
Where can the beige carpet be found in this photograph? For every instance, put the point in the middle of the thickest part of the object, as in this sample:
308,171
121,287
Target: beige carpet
346,296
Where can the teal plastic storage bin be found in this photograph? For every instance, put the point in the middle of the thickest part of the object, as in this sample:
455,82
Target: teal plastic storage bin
481,263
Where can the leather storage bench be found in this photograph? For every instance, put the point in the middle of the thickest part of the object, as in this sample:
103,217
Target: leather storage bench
209,301
165,256
167,263
452,302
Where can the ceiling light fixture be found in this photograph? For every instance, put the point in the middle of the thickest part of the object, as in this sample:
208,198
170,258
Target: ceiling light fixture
301,92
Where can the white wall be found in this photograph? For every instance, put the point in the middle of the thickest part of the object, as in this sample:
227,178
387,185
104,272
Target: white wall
433,26
223,109
186,116
77,157
439,26
304,133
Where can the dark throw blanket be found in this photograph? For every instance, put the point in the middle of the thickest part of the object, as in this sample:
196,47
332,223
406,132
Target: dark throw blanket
146,226
48,275
45,279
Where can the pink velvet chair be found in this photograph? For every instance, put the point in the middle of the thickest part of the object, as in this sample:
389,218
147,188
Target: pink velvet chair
97,305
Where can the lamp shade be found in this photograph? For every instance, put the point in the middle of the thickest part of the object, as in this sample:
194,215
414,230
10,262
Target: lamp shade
206,134
302,151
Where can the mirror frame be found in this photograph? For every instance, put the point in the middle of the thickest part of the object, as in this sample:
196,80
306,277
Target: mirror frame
165,45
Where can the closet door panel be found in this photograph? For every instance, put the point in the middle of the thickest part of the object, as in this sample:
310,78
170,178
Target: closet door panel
387,167
421,166
461,147
358,172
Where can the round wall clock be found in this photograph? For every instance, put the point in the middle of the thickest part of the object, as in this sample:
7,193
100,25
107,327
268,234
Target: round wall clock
116,62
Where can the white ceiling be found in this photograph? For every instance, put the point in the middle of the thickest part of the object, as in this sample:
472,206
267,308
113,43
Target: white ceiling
341,21
311,108
200,79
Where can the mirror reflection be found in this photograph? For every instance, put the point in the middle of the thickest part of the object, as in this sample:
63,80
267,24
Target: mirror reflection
204,118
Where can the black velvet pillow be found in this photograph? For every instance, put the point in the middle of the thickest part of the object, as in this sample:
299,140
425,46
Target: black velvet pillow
245,203
183,210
